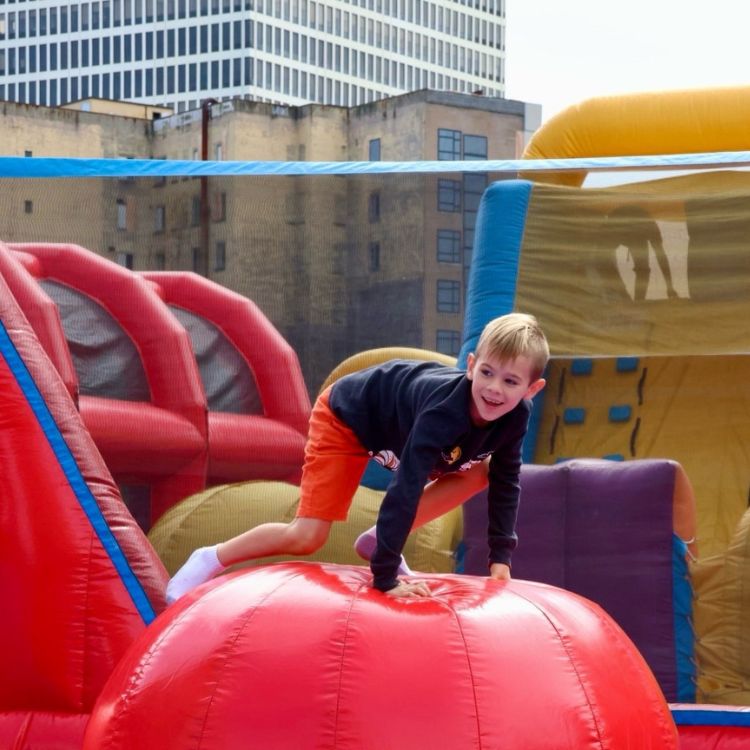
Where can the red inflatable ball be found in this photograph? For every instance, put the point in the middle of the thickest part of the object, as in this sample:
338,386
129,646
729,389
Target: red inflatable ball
295,656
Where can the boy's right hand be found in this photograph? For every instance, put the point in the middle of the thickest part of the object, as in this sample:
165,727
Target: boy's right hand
406,590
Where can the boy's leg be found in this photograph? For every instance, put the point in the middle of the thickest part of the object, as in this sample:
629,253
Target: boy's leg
450,491
303,536
365,545
438,498
200,567
334,464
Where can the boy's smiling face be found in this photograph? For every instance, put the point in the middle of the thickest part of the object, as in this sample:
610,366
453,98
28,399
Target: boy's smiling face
497,387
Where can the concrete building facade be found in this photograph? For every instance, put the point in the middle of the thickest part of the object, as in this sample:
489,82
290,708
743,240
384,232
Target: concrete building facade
176,53
339,264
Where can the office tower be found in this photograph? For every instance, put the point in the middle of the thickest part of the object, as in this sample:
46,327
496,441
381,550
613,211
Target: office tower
177,53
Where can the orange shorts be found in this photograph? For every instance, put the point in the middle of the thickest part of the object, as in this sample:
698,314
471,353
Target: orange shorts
335,461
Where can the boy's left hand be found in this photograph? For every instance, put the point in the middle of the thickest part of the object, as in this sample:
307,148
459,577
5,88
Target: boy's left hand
500,572
409,589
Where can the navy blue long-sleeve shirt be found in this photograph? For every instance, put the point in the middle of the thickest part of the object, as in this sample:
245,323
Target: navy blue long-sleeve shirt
414,418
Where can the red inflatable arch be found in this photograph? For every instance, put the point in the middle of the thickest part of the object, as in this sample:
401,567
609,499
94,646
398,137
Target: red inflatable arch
158,438
257,400
19,271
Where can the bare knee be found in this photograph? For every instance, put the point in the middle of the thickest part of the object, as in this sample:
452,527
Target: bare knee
306,538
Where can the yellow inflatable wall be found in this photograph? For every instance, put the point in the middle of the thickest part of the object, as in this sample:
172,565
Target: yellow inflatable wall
644,291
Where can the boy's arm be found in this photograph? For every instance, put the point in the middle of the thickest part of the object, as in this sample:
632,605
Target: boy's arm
399,506
503,498
500,572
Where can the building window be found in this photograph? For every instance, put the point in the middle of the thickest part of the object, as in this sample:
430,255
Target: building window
449,196
160,261
125,260
28,207
218,149
28,153
448,246
449,342
221,256
122,214
449,145
196,259
159,219
448,296
375,149
373,251
475,148
374,207
220,207
195,214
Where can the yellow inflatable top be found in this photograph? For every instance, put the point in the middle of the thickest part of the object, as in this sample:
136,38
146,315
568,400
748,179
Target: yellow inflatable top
665,122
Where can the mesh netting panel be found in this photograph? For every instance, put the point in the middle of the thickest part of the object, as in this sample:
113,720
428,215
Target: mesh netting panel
297,274
106,361
338,264
202,315
227,380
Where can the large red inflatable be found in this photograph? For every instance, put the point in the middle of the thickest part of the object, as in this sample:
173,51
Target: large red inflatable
181,383
299,655
78,579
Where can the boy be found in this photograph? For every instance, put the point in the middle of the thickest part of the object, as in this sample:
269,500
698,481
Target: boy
432,425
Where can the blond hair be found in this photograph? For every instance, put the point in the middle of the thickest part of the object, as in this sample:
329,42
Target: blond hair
515,335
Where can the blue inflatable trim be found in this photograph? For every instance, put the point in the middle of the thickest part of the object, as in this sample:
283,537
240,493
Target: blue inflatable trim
73,475
20,166
532,434
689,716
682,593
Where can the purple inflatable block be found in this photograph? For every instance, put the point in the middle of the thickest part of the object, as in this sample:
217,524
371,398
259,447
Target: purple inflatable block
601,529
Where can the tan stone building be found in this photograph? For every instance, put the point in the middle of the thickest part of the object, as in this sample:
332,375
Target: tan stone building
339,263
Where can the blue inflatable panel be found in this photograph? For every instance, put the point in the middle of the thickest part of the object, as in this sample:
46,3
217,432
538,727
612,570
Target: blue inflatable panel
627,364
376,476
581,366
494,265
494,274
574,416
619,413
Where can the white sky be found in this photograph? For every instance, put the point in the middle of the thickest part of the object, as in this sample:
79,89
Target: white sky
560,52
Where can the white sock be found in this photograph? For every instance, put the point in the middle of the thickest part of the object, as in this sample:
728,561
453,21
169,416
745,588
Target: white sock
365,546
200,567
